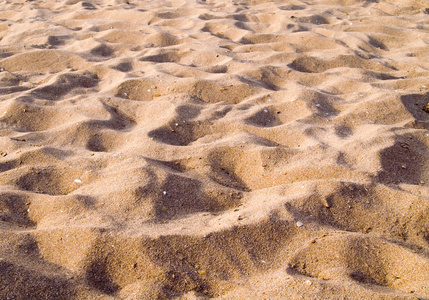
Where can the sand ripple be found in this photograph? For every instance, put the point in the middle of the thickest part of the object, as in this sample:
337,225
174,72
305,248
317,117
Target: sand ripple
202,149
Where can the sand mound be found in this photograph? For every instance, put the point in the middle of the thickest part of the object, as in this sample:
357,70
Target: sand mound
214,149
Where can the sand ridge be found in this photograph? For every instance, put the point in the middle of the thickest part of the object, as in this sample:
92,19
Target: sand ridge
195,149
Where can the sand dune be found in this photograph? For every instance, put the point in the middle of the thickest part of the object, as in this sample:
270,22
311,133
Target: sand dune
214,149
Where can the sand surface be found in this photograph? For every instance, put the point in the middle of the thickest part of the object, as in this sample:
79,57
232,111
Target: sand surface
196,149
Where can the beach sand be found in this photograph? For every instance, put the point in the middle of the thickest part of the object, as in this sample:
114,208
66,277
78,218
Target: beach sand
196,149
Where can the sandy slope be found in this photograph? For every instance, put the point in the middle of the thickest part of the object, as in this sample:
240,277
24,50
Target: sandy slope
202,149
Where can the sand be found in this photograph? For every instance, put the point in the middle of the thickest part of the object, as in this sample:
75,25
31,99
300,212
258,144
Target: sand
195,149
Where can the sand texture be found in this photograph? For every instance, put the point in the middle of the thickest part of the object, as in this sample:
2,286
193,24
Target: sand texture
195,149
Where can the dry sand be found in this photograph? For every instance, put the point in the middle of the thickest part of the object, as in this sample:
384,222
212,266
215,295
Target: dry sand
198,149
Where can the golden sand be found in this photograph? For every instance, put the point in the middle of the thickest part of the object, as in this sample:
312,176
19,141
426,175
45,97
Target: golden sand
214,149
